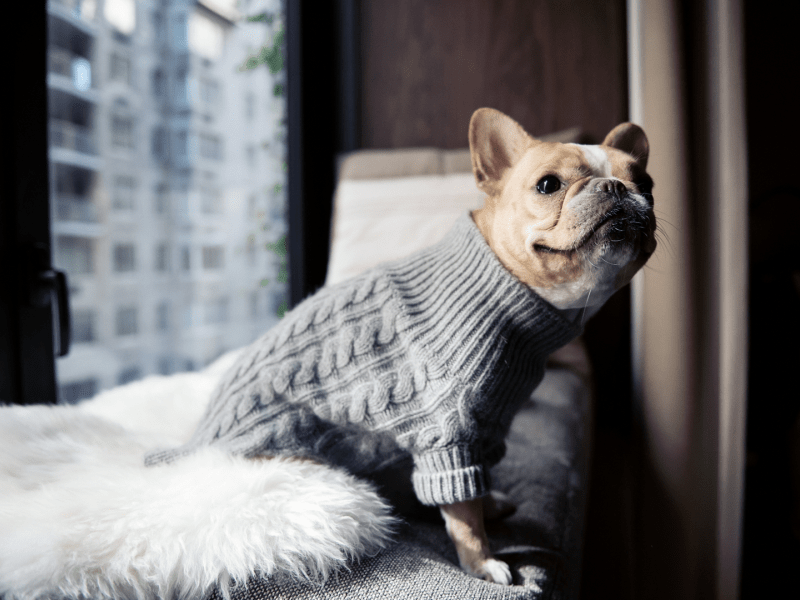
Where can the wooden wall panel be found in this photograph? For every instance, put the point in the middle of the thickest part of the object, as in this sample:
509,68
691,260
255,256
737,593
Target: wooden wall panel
428,64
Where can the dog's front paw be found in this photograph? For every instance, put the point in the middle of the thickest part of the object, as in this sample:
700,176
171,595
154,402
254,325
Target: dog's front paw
494,570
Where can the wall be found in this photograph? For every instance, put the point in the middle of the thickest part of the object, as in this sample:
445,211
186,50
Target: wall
550,65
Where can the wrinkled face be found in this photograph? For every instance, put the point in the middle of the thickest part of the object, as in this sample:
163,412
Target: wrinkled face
574,222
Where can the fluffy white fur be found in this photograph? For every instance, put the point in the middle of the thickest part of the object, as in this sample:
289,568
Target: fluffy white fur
81,516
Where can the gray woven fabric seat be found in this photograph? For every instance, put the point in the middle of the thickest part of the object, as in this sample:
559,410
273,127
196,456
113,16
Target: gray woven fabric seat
544,472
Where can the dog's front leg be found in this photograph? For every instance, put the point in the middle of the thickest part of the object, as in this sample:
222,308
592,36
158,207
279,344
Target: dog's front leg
464,523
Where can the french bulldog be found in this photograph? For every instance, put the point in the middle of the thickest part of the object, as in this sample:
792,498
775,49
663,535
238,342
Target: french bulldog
391,366
574,223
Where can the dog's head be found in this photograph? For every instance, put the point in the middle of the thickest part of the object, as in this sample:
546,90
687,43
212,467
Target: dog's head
574,222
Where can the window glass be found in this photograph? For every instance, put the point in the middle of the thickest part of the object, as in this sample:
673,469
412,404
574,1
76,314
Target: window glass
167,161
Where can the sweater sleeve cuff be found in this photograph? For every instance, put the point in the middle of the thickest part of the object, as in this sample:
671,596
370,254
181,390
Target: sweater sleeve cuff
449,475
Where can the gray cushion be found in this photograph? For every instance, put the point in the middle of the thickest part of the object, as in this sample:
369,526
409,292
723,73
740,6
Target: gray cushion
544,472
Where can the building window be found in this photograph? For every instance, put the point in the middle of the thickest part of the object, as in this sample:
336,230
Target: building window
181,89
179,33
127,321
250,249
209,92
78,390
162,199
162,258
123,193
162,316
82,326
211,201
206,37
159,84
182,145
120,68
159,26
251,155
250,106
124,258
75,255
129,374
122,132
216,311
121,14
210,146
186,258
165,365
213,257
159,147
255,304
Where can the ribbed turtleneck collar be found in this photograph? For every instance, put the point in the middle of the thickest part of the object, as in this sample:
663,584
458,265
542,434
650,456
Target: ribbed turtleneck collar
459,298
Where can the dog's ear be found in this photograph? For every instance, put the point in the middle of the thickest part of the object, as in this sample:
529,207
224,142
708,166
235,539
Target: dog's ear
629,138
496,143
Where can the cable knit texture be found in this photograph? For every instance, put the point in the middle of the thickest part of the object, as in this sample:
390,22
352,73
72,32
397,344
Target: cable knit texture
429,356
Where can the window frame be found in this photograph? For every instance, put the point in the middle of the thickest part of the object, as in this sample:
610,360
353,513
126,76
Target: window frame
322,120
27,345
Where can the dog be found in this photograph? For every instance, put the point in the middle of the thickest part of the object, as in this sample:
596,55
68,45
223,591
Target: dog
423,362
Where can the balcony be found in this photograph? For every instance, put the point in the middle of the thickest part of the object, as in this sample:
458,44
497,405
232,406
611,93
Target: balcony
75,208
80,13
70,73
67,135
76,216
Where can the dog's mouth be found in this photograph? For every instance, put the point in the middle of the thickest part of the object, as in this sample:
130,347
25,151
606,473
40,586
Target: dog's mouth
612,215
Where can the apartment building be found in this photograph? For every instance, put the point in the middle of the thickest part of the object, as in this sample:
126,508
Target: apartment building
167,171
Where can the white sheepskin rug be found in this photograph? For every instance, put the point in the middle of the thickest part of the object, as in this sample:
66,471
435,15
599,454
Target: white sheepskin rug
81,516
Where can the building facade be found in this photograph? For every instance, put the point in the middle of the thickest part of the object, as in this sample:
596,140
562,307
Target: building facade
167,176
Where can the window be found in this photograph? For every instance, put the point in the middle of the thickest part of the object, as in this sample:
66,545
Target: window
211,201
121,14
250,106
165,365
161,204
209,92
129,374
250,250
123,193
213,257
75,254
159,84
162,258
182,146
144,129
72,392
162,317
120,69
210,146
205,36
159,147
124,258
127,321
216,311
82,326
181,90
122,132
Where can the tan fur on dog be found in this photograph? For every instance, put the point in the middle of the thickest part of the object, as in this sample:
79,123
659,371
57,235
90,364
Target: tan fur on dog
574,241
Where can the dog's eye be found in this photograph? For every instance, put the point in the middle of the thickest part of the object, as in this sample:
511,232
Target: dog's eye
548,184
645,187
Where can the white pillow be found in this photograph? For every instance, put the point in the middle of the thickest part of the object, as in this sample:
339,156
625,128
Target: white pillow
376,220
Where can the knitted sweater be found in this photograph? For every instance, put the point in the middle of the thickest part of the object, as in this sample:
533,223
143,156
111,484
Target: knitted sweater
429,356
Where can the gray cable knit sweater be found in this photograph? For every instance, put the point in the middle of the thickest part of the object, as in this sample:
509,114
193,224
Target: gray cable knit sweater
429,356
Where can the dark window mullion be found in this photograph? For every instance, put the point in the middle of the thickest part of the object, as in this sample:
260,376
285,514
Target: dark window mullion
27,364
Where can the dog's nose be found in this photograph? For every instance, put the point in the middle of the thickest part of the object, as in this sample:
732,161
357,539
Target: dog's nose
612,186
